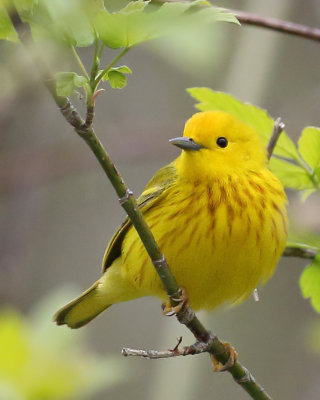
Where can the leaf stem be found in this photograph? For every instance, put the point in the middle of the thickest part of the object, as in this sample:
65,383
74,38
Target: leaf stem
78,59
309,171
101,51
95,65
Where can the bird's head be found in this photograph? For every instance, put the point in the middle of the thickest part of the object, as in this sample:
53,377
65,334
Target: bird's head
215,142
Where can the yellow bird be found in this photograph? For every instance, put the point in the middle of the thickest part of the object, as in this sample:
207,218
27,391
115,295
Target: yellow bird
217,213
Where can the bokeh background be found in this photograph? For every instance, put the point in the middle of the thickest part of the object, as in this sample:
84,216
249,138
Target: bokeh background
58,211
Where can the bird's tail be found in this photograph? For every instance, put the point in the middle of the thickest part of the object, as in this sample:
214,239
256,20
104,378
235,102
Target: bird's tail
111,288
83,309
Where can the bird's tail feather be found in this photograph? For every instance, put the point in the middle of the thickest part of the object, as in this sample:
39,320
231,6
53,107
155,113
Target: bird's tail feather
83,309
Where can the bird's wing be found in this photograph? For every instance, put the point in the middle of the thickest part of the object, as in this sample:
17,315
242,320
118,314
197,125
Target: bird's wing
153,192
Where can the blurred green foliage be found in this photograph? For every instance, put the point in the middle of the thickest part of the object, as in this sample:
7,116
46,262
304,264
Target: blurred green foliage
39,360
310,283
81,23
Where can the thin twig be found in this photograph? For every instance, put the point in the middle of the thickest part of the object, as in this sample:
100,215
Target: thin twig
196,348
301,252
186,316
278,127
150,354
277,25
274,24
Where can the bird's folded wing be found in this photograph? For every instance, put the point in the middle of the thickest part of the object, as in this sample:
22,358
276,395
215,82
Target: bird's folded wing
152,194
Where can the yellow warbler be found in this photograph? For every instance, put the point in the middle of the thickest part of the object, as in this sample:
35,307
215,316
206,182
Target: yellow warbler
217,213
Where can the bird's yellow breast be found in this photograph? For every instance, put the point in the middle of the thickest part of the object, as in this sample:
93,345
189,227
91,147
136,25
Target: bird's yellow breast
221,237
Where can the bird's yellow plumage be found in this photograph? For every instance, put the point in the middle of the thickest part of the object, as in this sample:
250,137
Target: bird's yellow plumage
218,214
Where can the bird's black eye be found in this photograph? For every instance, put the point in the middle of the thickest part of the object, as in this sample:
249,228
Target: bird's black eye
222,142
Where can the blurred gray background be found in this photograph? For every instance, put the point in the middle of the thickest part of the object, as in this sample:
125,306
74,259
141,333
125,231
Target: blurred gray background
58,210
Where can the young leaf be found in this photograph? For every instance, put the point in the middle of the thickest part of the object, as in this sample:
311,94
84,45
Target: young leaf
291,176
123,68
309,146
310,283
79,80
66,82
251,115
117,79
138,5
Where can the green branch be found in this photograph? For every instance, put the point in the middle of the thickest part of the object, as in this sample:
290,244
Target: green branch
186,315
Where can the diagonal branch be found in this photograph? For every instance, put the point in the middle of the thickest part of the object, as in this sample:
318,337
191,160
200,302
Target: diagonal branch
273,24
186,315
277,25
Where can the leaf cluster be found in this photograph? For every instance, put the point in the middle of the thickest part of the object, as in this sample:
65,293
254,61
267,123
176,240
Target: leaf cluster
82,23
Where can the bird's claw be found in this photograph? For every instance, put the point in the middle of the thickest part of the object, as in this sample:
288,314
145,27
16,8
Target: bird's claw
217,366
183,300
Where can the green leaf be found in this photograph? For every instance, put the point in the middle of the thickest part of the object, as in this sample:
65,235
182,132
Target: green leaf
316,174
25,5
138,5
293,241
79,80
310,283
69,21
306,193
140,21
291,176
66,82
123,68
117,79
7,31
254,116
309,146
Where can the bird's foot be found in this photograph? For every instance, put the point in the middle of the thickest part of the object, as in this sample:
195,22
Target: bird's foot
217,366
183,299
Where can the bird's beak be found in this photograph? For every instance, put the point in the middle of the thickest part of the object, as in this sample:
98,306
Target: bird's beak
186,143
